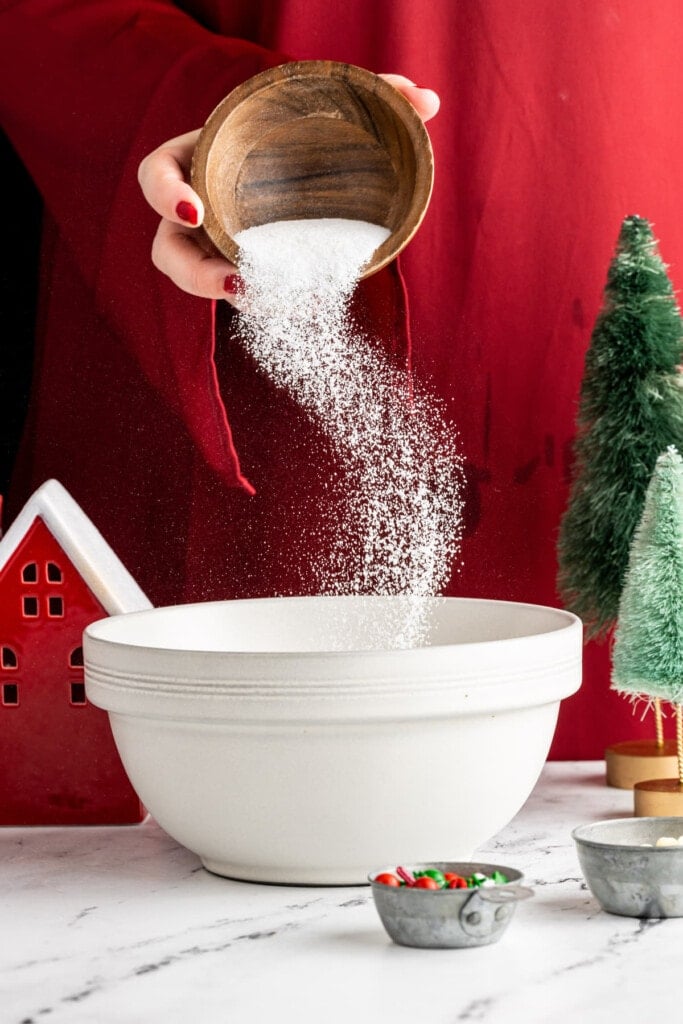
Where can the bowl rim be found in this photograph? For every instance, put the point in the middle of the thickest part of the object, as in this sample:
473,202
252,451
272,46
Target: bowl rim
596,844
97,630
517,673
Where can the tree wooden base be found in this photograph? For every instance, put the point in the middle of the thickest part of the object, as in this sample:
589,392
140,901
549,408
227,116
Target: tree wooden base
658,798
638,761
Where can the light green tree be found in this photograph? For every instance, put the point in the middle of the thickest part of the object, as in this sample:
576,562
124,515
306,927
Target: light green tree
648,643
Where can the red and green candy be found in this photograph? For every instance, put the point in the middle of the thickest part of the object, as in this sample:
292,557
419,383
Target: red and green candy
432,878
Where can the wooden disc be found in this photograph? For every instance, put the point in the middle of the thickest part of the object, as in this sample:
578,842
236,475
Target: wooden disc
314,139
638,760
658,798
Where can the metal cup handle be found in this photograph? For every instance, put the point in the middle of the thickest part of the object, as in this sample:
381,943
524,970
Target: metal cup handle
488,909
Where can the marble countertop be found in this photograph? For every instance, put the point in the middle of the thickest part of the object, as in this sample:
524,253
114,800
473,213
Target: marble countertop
109,925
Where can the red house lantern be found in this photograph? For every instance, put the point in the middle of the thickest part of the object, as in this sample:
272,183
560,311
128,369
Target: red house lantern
58,761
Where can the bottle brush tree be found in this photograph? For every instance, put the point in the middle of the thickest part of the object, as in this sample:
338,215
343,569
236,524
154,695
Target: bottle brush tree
630,410
647,659
648,642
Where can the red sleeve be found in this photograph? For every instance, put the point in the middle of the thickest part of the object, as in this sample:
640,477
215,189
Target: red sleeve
86,91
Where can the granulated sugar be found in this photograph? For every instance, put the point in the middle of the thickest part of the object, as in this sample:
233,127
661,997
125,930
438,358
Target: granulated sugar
400,527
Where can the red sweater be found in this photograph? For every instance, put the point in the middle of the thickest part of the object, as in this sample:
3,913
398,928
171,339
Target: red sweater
557,120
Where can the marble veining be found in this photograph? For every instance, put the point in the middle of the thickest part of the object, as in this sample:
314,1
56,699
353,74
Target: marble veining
122,926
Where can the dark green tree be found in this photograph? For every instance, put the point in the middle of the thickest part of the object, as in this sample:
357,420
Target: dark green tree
630,410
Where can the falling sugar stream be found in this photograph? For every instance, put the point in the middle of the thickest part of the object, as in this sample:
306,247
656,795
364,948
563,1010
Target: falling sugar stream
399,529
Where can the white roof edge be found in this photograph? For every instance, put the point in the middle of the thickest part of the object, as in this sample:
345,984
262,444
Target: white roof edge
98,565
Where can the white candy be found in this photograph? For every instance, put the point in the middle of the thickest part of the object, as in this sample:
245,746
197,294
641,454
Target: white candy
668,841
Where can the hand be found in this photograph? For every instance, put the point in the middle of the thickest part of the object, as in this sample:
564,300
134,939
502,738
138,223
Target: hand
179,250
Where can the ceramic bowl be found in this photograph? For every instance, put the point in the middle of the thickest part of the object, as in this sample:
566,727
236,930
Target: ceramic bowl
263,736
448,918
625,876
314,139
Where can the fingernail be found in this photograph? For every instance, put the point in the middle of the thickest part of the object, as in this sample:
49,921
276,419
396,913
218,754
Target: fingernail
187,212
233,284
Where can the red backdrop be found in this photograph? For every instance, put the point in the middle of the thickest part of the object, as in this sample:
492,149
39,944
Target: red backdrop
558,120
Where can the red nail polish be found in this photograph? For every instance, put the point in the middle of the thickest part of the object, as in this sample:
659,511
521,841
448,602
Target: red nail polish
233,284
187,212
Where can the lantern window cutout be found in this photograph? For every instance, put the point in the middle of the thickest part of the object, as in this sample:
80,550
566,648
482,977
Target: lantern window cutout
29,607
10,695
77,694
76,658
8,657
55,607
29,574
53,573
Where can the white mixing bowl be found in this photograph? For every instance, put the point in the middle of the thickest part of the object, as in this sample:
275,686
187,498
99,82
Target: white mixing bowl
263,737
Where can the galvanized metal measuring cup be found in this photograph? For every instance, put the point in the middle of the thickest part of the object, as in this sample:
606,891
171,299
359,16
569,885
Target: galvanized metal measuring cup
449,918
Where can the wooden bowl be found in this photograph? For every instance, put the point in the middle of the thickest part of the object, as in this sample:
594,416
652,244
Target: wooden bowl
314,139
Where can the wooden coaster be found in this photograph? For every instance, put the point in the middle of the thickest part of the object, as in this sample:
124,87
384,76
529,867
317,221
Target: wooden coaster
639,760
658,798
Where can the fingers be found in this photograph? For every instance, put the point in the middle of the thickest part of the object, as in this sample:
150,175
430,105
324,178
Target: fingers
163,177
177,253
425,101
